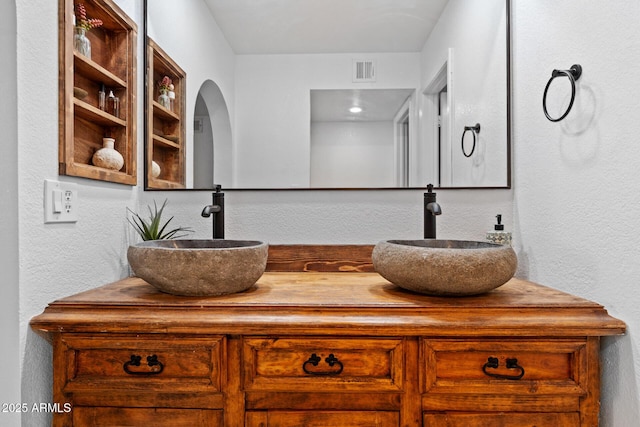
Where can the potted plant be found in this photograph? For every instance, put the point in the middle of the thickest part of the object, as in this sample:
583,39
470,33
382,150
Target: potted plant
153,228
83,24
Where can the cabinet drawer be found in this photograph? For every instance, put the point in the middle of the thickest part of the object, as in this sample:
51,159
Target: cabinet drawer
312,364
135,417
502,420
518,367
322,419
142,363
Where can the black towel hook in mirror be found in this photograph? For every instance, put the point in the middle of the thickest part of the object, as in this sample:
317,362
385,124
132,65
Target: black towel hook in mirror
573,74
475,130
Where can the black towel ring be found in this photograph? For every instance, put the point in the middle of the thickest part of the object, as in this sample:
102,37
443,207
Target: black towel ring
573,74
474,131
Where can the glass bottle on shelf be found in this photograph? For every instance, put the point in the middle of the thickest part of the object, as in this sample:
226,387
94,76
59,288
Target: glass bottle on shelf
113,105
102,98
172,98
163,99
81,42
82,23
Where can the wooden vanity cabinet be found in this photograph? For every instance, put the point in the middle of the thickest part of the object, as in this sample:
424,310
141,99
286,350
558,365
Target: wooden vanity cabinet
323,348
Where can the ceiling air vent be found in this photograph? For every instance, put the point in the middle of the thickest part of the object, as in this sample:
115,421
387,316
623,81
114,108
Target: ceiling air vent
364,70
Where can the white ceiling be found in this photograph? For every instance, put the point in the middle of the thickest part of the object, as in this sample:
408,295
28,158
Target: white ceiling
326,26
377,104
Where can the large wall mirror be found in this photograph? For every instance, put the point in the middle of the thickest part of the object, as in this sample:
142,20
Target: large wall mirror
303,94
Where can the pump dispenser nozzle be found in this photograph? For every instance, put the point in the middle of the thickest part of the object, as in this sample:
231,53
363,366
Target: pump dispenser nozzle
498,235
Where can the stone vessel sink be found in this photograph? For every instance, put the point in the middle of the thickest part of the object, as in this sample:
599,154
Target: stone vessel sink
199,267
445,267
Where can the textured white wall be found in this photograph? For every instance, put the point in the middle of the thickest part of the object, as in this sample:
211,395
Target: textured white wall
577,182
340,217
9,289
58,259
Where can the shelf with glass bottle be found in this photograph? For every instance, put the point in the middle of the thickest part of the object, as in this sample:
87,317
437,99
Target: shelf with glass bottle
104,59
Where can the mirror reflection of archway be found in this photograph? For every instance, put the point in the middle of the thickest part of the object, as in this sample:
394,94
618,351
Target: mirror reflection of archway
212,141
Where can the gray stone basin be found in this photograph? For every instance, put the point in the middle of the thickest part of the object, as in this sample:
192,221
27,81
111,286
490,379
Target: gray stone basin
199,267
445,267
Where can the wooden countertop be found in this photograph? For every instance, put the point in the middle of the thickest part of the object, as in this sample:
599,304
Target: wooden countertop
312,290
286,302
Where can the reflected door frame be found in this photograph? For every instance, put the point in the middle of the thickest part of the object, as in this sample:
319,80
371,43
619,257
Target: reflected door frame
436,129
406,153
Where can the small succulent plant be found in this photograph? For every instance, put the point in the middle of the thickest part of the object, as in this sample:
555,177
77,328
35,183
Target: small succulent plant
82,21
153,228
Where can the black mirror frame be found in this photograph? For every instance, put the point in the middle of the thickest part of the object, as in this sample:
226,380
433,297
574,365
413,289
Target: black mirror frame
509,141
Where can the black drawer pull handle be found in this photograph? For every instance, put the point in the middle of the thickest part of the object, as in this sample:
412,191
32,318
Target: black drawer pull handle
152,362
330,360
492,363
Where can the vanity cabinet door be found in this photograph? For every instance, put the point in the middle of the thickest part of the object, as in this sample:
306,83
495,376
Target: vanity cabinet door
322,419
502,420
152,417
323,364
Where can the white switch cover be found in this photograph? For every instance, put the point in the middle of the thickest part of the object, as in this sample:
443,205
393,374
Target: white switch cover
60,201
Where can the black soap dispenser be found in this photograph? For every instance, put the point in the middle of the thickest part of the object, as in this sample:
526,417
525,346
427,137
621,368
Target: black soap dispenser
498,235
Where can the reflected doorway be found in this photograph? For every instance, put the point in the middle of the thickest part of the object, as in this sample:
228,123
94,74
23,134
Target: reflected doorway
443,127
438,123
403,144
212,139
359,138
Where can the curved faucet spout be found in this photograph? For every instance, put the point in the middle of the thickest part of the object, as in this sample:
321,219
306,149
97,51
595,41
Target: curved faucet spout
210,209
434,208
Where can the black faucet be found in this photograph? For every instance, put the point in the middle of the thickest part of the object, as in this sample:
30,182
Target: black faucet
431,209
217,210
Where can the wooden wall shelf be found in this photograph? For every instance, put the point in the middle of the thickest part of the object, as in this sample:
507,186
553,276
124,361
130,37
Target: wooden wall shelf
112,64
165,142
96,72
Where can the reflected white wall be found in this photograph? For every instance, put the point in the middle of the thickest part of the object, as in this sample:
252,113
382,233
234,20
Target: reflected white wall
352,154
177,27
272,128
475,33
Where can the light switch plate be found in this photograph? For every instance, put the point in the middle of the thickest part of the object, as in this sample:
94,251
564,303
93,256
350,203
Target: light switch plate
60,201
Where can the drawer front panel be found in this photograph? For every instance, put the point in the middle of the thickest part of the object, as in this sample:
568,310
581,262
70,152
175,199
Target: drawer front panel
322,419
160,363
135,417
295,364
502,420
529,367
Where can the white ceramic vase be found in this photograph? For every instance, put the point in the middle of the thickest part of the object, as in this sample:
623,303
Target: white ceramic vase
155,169
107,157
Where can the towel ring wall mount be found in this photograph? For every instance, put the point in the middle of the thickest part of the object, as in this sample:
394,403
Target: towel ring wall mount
573,74
475,130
